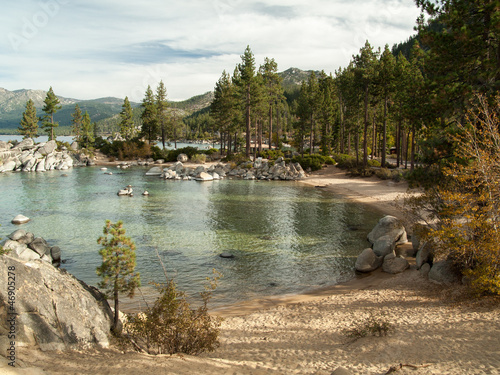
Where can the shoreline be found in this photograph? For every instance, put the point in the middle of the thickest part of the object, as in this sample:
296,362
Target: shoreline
434,328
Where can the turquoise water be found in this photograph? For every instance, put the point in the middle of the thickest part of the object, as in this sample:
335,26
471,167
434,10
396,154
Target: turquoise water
286,237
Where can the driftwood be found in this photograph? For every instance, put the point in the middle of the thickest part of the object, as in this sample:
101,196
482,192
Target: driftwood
400,366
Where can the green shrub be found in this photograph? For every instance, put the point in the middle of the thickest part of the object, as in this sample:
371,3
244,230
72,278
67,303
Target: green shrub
172,326
315,161
199,158
374,163
384,174
271,154
236,158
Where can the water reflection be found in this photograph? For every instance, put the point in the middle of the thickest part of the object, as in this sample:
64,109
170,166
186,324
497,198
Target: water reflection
286,237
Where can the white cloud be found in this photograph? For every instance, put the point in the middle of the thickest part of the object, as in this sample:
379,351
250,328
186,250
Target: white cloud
94,48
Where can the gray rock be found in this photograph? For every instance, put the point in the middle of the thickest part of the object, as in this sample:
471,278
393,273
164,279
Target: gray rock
383,245
155,171
443,272
8,165
227,255
393,264
425,269
40,246
28,255
48,147
5,145
424,254
25,144
55,253
28,238
367,261
389,226
16,248
183,158
74,146
20,219
204,176
55,310
17,235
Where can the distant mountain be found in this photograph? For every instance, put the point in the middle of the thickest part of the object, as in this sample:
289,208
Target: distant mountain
293,77
13,103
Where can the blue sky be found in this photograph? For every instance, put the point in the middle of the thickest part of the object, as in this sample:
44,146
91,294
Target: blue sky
88,49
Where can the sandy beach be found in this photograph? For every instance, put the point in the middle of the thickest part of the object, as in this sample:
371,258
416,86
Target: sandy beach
434,329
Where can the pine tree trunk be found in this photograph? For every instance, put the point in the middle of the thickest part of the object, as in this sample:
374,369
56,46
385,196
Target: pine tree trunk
117,311
270,127
365,130
248,123
398,143
384,133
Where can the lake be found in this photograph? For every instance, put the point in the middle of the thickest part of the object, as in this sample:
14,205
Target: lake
286,237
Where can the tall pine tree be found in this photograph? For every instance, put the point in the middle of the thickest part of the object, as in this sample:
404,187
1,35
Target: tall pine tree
127,127
77,123
29,122
161,111
51,107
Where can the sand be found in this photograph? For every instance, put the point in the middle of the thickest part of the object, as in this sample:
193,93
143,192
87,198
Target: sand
434,329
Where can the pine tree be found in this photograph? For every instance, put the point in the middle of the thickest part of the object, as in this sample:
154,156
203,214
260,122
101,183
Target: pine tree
365,75
149,116
77,123
118,264
223,108
87,133
386,79
161,111
29,122
248,91
273,90
51,107
127,127
327,109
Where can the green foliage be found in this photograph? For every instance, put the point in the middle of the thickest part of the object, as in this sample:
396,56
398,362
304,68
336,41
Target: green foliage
172,326
370,326
127,126
29,122
315,161
2,250
271,154
50,108
199,158
117,270
236,159
125,150
463,211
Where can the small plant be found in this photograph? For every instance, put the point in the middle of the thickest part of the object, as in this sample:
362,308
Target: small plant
172,326
118,265
371,326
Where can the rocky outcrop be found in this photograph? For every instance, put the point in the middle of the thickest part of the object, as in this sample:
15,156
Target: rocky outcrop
28,157
25,246
389,226
52,310
443,272
260,170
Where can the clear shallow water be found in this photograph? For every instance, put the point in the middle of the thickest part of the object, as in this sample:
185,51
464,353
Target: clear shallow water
286,237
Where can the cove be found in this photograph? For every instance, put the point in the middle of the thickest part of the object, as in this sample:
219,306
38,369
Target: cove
286,237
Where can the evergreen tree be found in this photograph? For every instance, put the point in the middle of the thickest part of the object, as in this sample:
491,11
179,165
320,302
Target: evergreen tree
29,122
327,109
51,107
77,123
273,90
386,79
118,264
127,127
248,91
366,75
223,108
161,111
87,132
149,116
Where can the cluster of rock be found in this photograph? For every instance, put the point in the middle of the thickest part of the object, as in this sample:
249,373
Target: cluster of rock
28,157
53,310
25,246
258,170
385,237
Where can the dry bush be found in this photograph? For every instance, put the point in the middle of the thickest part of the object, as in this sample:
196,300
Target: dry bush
463,210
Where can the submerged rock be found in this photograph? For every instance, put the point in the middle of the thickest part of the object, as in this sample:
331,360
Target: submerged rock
20,219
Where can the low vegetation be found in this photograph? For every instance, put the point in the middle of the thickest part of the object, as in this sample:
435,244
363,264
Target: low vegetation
370,326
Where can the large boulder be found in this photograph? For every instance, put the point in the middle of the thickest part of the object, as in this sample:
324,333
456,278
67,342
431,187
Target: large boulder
424,254
20,219
155,171
393,264
183,158
40,246
443,272
8,166
384,245
204,176
54,310
48,148
389,226
368,261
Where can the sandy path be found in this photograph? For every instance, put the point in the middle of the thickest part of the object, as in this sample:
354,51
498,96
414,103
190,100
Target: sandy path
304,334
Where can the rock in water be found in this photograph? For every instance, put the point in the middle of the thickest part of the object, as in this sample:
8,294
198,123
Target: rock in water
20,219
54,310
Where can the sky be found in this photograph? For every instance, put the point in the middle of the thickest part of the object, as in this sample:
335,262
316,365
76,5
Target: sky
88,49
